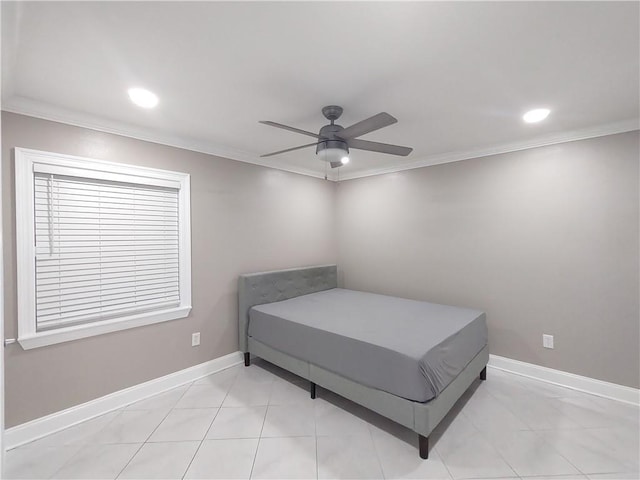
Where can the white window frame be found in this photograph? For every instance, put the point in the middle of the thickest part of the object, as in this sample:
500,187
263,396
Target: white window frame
25,162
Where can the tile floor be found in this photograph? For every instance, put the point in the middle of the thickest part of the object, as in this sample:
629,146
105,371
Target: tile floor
259,422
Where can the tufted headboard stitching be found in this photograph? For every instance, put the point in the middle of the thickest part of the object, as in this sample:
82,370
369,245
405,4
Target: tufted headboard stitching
269,287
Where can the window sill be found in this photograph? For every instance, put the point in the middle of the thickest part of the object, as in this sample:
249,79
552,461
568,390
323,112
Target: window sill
76,332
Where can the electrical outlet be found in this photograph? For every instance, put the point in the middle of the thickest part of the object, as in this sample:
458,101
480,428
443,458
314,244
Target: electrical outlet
195,339
547,341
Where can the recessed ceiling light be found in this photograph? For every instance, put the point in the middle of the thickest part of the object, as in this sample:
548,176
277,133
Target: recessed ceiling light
344,160
536,115
143,98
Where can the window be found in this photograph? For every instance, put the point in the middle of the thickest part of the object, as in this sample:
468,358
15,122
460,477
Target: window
101,247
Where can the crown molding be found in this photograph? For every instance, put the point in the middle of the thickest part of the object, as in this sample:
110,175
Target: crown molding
552,139
36,109
33,108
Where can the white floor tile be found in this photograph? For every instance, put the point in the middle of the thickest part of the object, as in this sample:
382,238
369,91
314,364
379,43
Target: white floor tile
621,442
287,393
77,435
588,413
399,458
203,396
586,450
238,422
161,461
347,457
231,458
488,415
289,421
332,420
538,412
184,424
453,429
36,463
285,458
130,426
629,413
224,378
161,401
255,373
614,476
549,390
248,393
529,455
268,426
384,426
98,462
472,456
557,477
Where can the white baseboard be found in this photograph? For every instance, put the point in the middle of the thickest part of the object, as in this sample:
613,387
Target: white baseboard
38,428
568,380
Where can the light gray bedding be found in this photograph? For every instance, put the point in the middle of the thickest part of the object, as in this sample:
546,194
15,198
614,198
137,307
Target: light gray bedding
404,347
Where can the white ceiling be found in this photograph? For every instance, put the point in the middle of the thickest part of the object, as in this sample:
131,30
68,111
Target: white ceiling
458,76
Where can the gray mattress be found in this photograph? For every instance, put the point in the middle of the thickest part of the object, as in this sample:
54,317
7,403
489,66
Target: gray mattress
405,347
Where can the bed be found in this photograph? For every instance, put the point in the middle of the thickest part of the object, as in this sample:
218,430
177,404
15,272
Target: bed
407,360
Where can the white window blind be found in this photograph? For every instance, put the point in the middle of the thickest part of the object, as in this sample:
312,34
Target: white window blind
104,249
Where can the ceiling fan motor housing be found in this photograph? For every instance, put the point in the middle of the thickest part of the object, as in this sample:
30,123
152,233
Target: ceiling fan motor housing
328,140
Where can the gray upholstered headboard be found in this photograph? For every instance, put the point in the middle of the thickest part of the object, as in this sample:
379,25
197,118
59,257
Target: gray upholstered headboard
268,287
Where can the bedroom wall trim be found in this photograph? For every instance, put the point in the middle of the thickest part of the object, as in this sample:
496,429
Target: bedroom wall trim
38,428
34,108
593,386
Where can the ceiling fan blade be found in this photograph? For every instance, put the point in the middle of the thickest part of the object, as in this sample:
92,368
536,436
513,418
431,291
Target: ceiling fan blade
291,129
289,150
379,147
370,124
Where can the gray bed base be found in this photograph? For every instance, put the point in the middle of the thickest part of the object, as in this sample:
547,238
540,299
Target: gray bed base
422,418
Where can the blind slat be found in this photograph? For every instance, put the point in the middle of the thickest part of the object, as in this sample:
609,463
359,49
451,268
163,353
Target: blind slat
78,292
84,300
104,306
72,282
59,321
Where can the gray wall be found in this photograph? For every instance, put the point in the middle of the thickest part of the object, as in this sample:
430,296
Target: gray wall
244,218
544,240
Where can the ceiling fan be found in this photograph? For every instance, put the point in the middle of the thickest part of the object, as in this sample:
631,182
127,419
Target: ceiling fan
334,141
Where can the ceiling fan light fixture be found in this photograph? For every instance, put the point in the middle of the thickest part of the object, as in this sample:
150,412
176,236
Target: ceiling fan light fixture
334,155
333,151
344,160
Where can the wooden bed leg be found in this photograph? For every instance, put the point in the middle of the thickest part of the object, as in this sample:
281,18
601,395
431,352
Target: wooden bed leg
312,389
483,374
247,359
423,445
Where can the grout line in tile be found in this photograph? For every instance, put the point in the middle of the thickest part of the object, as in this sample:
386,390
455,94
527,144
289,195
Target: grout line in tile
255,455
375,450
153,431
82,446
315,428
434,447
209,428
